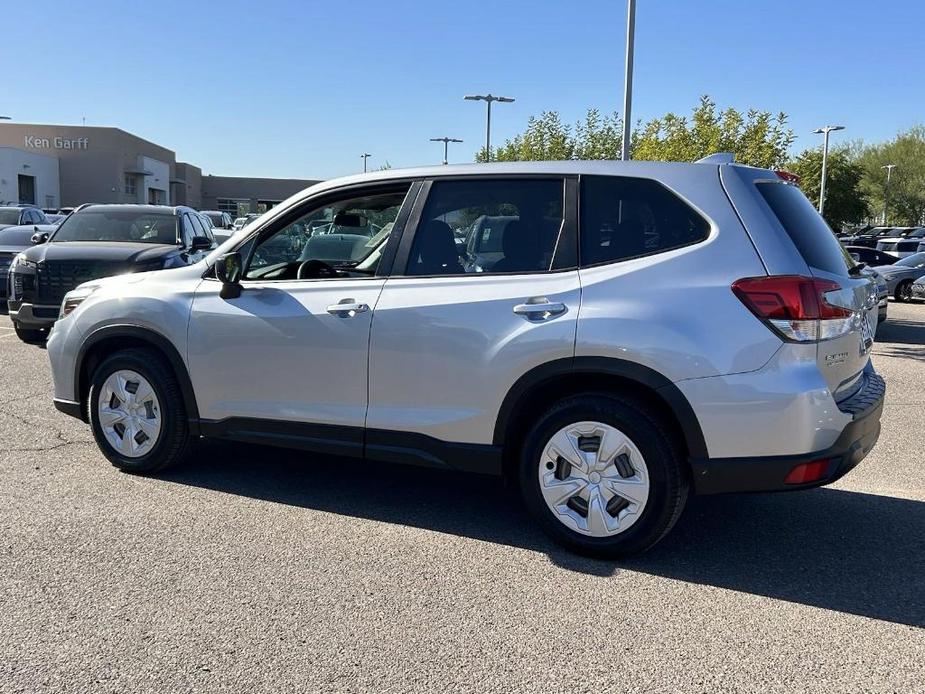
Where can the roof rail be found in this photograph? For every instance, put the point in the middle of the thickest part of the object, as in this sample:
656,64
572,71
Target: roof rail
718,158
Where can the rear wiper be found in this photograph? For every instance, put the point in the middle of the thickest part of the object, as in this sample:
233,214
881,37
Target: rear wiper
856,270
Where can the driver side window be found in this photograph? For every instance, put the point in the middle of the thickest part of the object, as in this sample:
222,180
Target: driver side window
343,238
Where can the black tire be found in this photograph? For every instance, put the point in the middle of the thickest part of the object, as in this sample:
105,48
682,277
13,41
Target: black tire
903,292
664,458
30,336
174,440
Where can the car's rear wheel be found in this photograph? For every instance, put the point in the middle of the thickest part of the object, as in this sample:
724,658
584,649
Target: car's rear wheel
30,336
137,413
903,291
604,475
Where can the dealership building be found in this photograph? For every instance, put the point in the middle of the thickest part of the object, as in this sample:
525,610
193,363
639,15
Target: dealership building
55,166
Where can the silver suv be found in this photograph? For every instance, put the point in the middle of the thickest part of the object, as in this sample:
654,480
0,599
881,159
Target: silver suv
639,332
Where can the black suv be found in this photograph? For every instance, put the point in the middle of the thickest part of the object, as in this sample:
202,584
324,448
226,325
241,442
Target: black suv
98,241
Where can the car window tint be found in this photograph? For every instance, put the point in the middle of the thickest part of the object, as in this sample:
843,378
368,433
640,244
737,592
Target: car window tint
488,226
805,227
625,218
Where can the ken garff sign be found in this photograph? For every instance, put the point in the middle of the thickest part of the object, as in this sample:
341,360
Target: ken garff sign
56,142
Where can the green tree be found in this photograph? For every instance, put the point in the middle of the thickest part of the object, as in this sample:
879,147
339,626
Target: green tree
907,182
844,202
757,137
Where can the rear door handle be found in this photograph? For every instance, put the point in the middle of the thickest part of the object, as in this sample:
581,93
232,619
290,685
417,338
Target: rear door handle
541,309
347,308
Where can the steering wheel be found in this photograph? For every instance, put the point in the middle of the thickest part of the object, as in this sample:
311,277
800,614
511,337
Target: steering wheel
311,269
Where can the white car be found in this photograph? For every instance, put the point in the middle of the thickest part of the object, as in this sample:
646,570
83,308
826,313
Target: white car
904,245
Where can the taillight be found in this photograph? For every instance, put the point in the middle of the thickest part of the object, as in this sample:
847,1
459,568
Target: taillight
787,176
799,309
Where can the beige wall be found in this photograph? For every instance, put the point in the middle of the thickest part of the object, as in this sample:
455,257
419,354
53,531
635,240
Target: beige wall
92,161
253,189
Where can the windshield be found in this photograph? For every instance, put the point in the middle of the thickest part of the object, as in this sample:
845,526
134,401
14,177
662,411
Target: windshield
9,216
132,226
916,260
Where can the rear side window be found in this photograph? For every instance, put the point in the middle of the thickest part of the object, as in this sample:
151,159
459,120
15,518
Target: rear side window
488,226
805,227
624,218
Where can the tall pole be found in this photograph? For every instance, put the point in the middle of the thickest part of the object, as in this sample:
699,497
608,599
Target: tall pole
628,79
886,190
446,146
825,162
488,98
824,131
365,156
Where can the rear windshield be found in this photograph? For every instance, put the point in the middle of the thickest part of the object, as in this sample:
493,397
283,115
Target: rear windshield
805,227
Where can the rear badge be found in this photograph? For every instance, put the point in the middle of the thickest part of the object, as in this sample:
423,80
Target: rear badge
837,358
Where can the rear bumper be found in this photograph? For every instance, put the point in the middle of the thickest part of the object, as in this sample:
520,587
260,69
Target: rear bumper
723,475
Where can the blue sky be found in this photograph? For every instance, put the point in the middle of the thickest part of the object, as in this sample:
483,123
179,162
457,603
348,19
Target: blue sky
301,89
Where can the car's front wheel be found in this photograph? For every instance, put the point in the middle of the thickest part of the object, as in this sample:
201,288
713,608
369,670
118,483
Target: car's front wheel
136,411
904,291
604,475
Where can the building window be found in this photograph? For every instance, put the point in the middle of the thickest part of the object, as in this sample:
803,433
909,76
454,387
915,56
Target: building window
236,207
130,185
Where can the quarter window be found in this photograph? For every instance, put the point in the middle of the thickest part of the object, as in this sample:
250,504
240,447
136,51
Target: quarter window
625,218
488,226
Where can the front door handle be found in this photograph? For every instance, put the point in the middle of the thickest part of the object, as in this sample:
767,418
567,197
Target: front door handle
347,308
540,309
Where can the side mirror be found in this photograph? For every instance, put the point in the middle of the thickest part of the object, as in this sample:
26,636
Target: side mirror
200,243
228,271
39,237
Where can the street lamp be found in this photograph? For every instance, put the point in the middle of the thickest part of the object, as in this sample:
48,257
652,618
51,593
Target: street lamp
824,131
628,79
886,190
365,156
488,98
446,145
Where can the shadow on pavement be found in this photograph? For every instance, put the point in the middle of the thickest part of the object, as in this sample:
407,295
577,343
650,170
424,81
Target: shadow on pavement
902,331
846,551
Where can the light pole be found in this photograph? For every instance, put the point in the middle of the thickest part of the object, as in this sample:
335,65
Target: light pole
824,131
365,156
886,189
628,79
446,145
489,98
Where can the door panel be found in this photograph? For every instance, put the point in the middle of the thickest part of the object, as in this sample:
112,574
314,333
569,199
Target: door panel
283,350
444,351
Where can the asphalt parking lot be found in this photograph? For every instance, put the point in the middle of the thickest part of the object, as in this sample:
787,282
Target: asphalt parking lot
257,570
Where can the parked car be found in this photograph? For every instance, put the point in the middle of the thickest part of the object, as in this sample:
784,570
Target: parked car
870,256
13,241
918,289
242,222
19,215
96,241
900,275
220,220
870,237
662,342
903,242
